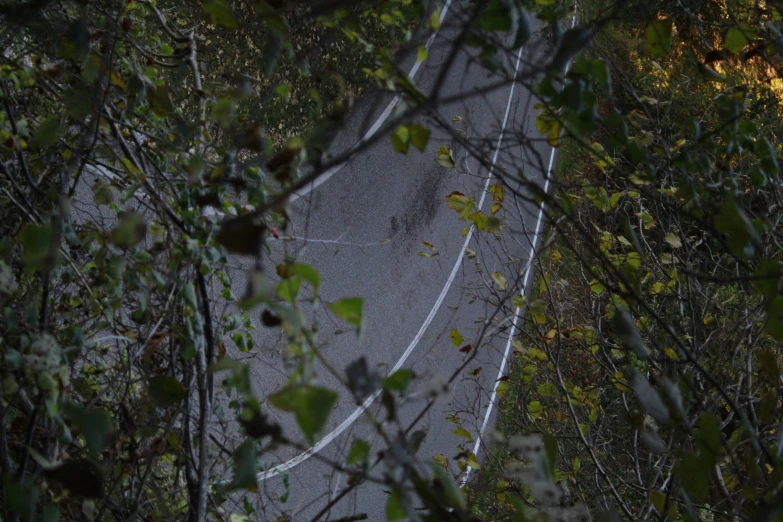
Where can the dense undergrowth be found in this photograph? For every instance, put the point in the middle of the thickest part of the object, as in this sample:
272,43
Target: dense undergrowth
649,358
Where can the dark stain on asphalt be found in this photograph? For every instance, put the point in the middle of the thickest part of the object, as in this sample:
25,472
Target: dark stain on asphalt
420,210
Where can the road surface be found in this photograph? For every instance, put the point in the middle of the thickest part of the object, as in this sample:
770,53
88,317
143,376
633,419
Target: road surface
363,229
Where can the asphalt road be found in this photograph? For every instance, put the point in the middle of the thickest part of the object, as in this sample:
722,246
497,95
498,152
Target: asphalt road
363,229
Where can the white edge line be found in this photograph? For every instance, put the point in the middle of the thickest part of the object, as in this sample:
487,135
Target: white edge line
501,371
326,440
323,178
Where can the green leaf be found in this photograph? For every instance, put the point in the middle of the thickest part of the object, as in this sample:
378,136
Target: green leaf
535,409
222,112
360,452
435,20
400,139
95,424
166,49
399,380
394,509
695,473
596,287
245,466
37,240
547,389
129,232
600,70
221,14
306,272
288,288
658,499
311,405
452,494
160,100
166,391
738,37
50,513
47,134
742,237
349,310
284,91
421,53
708,438
456,338
78,102
102,193
484,222
673,240
75,43
420,136
462,432
768,156
91,68
441,460
659,38
495,17
459,202
446,157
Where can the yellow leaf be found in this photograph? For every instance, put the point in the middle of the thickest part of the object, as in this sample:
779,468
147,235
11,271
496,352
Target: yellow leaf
117,80
130,167
500,280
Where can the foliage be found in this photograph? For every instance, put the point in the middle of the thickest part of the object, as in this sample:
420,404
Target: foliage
646,372
124,127
651,347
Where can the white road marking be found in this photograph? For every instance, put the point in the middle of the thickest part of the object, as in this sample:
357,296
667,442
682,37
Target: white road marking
529,264
323,178
281,468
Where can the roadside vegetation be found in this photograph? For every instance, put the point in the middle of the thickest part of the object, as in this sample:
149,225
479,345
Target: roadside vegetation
645,381
649,361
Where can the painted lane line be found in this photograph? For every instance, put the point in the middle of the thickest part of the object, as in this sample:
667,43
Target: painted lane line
285,466
323,178
517,312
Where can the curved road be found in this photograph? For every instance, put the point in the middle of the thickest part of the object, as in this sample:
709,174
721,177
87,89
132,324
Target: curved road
363,228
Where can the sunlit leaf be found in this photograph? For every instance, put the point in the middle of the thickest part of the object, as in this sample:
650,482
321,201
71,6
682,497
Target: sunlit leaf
400,139
446,157
500,281
659,38
738,37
